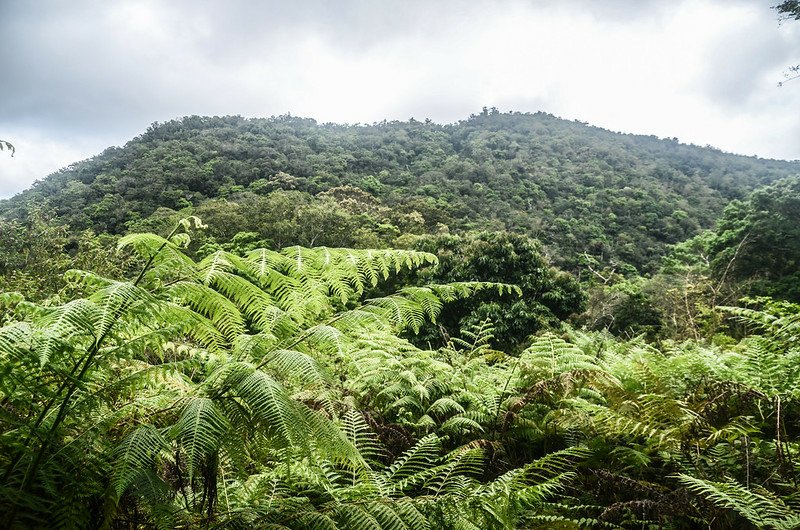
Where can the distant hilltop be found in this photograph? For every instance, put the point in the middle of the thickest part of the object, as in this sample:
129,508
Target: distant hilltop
576,187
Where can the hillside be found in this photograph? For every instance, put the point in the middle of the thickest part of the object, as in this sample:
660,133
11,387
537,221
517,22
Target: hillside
621,198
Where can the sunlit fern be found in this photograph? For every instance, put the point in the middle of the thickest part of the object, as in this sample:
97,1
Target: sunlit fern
186,366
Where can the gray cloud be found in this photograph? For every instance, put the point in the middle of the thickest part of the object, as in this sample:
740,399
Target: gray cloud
79,76
88,65
744,59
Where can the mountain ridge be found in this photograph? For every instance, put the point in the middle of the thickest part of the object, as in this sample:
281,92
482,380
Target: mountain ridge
579,188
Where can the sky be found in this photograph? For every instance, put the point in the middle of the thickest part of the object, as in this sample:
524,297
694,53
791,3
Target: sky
79,76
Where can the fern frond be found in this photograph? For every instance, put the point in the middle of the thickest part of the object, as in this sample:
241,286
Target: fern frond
455,475
416,460
61,326
272,409
115,299
762,508
200,431
549,356
289,364
361,436
759,319
167,258
211,304
137,452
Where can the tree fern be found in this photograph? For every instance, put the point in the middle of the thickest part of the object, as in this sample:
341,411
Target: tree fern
272,390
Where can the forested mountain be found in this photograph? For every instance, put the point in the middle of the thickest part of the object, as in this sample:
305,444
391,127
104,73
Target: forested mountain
619,198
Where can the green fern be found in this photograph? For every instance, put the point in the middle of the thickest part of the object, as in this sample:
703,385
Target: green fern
758,506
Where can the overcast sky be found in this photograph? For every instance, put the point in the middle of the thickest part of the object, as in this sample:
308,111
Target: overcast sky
79,76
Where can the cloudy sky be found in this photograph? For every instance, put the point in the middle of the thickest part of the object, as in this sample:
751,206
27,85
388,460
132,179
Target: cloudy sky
79,76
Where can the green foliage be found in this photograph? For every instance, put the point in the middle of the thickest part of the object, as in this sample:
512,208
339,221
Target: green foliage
758,241
191,379
753,251
621,198
704,412
762,508
547,296
626,307
253,387
36,250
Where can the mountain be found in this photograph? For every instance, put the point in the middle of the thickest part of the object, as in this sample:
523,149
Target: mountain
621,198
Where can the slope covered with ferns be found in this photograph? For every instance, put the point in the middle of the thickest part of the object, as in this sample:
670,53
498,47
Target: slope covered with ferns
265,390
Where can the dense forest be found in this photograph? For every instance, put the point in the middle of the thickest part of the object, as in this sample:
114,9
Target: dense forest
514,321
622,199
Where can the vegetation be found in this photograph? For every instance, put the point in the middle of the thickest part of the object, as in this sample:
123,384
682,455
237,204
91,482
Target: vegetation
510,322
265,389
548,296
759,241
6,145
620,198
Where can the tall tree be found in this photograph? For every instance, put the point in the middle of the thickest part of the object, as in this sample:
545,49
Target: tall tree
759,240
547,294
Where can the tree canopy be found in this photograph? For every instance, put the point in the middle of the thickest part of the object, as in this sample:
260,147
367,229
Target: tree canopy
622,198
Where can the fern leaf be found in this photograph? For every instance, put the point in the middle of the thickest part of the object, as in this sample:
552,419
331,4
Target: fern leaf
417,459
764,510
200,431
211,304
361,436
137,452
273,409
